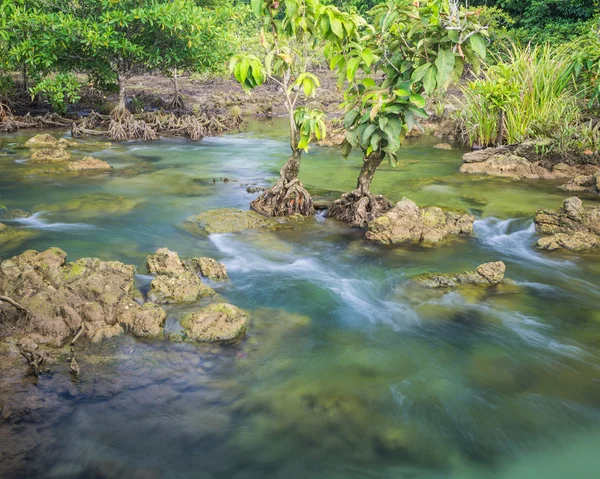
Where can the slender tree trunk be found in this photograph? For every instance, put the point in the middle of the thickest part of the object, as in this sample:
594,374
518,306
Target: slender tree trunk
176,82
291,169
500,128
25,81
121,105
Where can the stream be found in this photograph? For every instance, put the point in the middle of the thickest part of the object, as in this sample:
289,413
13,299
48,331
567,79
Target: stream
347,371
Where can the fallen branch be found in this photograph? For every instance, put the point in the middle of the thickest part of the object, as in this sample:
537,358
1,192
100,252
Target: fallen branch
12,302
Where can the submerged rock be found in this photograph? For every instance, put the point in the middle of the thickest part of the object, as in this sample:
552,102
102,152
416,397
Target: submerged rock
88,163
209,268
227,220
92,205
43,140
10,236
573,227
89,295
531,160
14,214
219,322
485,274
174,282
407,223
50,155
443,146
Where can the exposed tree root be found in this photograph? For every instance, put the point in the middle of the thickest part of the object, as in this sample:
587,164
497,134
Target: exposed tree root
36,360
177,103
284,199
358,209
16,305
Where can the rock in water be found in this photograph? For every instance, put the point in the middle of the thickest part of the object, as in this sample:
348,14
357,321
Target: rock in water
165,262
50,155
443,146
219,322
42,141
174,283
573,227
407,223
88,163
209,268
227,220
485,274
62,297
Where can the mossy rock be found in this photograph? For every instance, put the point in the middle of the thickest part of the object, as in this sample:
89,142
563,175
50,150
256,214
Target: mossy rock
12,237
43,140
50,155
220,322
228,220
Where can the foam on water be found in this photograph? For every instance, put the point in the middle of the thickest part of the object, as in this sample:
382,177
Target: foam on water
513,239
36,221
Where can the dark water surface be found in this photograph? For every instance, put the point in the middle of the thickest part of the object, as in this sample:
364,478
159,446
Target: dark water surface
347,371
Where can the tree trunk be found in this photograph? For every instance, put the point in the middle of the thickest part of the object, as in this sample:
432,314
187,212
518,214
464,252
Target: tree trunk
121,105
359,207
288,197
177,102
25,81
500,128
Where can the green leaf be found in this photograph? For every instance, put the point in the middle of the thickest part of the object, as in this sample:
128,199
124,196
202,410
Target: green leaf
350,118
367,56
352,136
420,72
257,6
445,64
417,100
367,133
429,80
352,67
346,148
453,35
409,118
478,45
336,26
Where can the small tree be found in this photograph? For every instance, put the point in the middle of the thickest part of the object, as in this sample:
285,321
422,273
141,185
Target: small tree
291,36
413,48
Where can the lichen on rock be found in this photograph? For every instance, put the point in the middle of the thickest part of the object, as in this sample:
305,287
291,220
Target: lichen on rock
209,268
407,223
43,140
573,227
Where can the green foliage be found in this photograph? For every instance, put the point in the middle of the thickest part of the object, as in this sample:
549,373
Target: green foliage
292,32
540,21
586,64
60,89
534,88
409,51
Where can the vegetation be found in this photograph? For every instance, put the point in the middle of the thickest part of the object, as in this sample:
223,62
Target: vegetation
409,51
290,35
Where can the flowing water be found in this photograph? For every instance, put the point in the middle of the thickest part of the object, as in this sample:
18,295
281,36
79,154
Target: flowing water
347,371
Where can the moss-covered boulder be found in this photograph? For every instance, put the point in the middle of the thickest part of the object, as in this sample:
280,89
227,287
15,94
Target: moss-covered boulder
185,288
94,297
11,237
165,262
50,155
485,274
407,223
572,228
88,163
14,214
228,220
220,322
43,140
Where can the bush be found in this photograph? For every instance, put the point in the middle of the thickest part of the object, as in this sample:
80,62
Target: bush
60,89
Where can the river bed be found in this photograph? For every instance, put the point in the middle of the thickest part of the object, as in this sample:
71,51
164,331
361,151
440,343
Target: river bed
346,372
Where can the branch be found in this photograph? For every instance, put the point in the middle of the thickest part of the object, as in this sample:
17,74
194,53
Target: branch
15,304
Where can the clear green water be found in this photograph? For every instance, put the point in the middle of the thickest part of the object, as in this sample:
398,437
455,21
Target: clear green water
347,371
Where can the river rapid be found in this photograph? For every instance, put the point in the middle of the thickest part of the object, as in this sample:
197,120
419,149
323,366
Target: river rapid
347,371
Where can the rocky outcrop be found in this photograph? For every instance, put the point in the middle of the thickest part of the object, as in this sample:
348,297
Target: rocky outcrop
443,146
50,155
228,220
94,298
532,160
209,268
42,141
407,223
88,163
584,183
219,322
485,274
174,283
573,227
